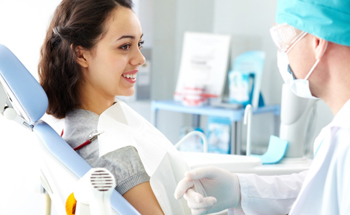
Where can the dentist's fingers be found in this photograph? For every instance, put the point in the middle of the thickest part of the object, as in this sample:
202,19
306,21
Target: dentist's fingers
196,201
182,187
193,196
204,172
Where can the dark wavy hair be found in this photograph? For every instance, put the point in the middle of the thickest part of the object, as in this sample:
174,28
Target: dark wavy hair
75,23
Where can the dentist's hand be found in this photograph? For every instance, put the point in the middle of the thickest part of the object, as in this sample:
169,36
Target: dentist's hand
209,189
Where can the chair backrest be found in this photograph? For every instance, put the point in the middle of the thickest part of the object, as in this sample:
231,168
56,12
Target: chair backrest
62,166
24,92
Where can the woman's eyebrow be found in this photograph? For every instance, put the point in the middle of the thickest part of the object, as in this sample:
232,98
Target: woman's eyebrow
128,36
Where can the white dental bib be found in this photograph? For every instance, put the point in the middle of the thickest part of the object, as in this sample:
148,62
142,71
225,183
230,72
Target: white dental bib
122,127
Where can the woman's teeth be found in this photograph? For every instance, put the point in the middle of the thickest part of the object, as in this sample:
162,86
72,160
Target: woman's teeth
130,76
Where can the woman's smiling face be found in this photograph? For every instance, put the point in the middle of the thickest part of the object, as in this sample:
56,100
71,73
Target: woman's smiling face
112,65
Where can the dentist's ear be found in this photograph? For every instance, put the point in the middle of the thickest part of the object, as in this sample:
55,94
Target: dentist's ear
81,56
320,47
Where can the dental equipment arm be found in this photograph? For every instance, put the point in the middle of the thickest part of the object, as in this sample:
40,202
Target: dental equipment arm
192,133
95,189
248,121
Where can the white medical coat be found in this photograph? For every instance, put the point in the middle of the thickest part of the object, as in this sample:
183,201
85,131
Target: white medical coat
322,190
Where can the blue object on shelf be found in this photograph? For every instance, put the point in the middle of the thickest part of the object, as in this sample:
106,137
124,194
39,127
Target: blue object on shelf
218,135
275,151
249,63
239,87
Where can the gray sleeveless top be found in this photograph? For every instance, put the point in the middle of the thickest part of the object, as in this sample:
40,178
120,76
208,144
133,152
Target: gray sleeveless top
124,163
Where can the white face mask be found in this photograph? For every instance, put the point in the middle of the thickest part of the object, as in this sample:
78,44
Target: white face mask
299,87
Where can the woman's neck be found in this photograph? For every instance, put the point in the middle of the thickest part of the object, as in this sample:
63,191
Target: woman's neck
94,101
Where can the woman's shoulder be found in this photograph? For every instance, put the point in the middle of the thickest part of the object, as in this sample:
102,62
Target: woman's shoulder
79,124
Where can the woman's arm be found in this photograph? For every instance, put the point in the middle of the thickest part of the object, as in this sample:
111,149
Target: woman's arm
142,198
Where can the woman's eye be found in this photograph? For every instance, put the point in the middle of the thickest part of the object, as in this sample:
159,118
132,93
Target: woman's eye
141,44
125,47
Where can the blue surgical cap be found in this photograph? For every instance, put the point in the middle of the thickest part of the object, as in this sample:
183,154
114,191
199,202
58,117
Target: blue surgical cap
326,19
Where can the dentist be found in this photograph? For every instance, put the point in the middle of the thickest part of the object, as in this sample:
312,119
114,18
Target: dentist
313,41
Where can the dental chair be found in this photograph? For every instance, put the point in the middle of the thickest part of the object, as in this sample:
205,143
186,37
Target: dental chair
23,100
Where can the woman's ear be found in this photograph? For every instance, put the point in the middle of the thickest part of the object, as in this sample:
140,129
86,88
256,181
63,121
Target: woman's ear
81,54
320,47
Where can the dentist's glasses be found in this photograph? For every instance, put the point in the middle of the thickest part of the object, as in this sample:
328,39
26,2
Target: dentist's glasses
285,36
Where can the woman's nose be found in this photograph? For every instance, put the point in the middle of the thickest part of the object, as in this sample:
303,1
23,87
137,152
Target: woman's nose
139,59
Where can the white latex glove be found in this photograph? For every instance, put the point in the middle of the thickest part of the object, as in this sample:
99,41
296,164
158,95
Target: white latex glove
209,189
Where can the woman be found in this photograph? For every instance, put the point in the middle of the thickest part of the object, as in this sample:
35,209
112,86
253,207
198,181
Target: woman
91,54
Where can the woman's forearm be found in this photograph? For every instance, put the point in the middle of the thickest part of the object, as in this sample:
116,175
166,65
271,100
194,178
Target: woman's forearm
142,198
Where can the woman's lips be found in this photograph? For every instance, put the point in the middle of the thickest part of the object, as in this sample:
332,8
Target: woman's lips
130,72
130,76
